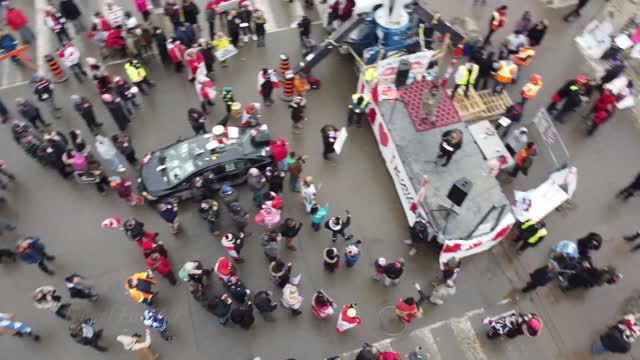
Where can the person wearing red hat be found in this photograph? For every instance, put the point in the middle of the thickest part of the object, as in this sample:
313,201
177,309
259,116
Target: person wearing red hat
223,269
498,20
348,318
574,93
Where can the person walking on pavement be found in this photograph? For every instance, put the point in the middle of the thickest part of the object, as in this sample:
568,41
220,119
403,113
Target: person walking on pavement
83,106
43,90
5,116
630,190
280,272
45,298
357,109
309,193
271,244
408,308
239,216
153,319
392,272
56,23
168,210
291,299
338,226
31,113
524,160
537,32
530,89
304,27
289,229
209,211
265,305
242,315
295,169
138,75
80,288
331,259
84,333
197,120
206,92
140,287
451,142
280,151
465,76
322,305
70,56
123,144
631,238
602,110
234,243
590,242
119,115
18,22
134,343
352,253
126,92
297,107
220,306
574,93
108,151
541,276
259,21
267,81
575,13
32,251
159,264
498,20
256,182
8,326
531,233
619,338
317,216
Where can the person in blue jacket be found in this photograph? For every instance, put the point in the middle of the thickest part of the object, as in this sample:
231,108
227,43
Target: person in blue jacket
32,251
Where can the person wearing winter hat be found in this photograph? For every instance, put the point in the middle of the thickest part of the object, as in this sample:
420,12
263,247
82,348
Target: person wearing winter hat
197,120
240,217
378,268
331,259
119,115
337,226
322,305
265,305
291,299
281,273
352,253
83,106
134,343
233,243
209,212
348,318
224,269
242,315
392,272
271,244
289,229
228,195
256,182
237,289
220,306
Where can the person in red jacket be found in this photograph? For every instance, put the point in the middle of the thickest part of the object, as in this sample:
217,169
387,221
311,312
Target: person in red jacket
602,110
280,152
195,61
161,265
16,21
409,308
176,53
498,20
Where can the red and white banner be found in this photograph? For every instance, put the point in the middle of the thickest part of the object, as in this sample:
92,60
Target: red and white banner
474,245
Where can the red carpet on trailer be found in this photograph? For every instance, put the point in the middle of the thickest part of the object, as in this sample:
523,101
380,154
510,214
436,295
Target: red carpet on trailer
446,113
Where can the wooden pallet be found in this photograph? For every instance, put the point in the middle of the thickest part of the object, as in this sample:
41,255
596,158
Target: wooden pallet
495,106
468,107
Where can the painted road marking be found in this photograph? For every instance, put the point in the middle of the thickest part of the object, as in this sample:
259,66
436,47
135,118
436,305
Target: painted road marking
43,35
268,14
467,338
428,342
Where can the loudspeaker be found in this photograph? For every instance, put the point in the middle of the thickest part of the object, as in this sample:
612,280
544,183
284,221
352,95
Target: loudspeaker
459,191
403,73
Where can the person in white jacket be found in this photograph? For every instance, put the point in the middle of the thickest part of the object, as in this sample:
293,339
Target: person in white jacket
45,298
206,91
108,151
70,56
134,343
113,13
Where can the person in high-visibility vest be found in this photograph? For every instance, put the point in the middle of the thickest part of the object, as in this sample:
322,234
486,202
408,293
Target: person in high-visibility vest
140,287
227,97
498,20
357,109
138,75
524,159
465,76
525,55
506,72
530,89
531,233
370,74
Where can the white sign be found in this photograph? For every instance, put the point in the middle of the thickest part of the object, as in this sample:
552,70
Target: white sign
229,5
340,140
386,70
226,52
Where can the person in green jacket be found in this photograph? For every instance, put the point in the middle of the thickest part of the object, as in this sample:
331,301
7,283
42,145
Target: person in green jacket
317,215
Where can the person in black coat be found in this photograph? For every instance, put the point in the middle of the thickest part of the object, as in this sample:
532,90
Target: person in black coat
304,26
207,52
630,190
233,26
31,113
451,142
124,146
275,181
83,106
540,277
117,111
537,32
338,226
265,305
161,44
592,241
329,136
197,120
237,289
220,307
71,12
289,229
190,11
242,315
575,13
53,155
4,113
614,339
485,68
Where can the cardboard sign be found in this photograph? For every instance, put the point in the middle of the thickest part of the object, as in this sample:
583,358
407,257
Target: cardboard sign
340,140
226,52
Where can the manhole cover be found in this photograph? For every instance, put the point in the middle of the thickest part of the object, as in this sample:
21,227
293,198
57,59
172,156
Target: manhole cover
390,322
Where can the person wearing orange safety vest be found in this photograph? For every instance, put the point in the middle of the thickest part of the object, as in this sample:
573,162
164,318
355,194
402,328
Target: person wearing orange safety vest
140,287
525,55
531,234
465,76
498,20
530,89
505,73
524,159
